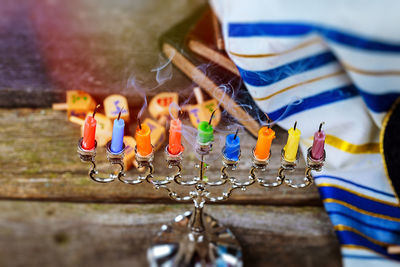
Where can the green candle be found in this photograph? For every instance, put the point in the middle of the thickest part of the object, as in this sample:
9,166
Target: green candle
205,133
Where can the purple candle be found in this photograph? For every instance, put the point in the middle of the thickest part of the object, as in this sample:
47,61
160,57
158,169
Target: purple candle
317,150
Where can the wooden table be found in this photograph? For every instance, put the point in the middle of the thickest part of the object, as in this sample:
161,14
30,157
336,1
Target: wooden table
52,214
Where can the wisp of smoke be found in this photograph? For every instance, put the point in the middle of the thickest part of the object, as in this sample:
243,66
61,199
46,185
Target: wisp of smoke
164,71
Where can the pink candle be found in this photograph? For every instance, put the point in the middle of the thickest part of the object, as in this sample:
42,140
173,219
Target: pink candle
317,150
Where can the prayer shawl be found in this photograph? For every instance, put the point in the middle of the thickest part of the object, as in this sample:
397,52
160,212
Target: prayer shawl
337,62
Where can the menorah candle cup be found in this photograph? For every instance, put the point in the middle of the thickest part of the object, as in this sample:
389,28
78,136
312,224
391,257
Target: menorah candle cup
115,157
289,164
315,164
84,154
143,161
173,159
261,164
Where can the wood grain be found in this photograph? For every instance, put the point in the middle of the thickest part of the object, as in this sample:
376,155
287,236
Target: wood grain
39,161
41,234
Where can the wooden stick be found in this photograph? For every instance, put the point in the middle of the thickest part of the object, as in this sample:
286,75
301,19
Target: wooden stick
219,41
60,106
76,120
214,56
212,89
393,250
198,94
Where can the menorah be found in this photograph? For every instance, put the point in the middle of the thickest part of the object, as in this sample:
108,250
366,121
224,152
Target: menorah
195,238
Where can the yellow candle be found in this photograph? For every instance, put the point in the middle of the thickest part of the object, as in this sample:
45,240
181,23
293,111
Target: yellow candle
292,144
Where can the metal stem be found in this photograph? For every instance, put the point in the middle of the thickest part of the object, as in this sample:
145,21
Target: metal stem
196,221
201,167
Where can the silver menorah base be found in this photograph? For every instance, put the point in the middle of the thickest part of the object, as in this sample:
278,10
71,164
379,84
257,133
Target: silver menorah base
195,238
178,244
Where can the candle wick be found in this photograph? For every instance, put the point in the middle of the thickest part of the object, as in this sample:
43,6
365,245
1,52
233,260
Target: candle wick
95,110
320,126
237,131
268,119
295,125
268,123
140,125
212,116
119,114
180,113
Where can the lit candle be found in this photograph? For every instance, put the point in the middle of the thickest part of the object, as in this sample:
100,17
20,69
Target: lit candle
232,146
317,150
89,131
264,141
143,141
205,131
175,132
292,144
117,139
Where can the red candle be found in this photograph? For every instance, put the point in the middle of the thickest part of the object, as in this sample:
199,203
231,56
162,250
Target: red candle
175,134
317,150
89,131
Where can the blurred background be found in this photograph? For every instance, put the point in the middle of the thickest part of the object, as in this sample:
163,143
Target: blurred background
48,47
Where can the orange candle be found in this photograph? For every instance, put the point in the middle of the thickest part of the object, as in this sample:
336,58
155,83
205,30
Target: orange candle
175,134
143,141
263,146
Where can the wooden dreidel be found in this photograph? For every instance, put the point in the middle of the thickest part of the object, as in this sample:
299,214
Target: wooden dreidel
158,133
103,128
203,110
78,104
129,151
114,104
159,106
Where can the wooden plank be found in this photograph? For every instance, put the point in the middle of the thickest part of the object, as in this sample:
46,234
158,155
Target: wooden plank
63,234
39,161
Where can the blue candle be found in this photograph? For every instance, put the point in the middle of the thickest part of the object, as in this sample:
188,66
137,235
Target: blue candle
232,147
117,140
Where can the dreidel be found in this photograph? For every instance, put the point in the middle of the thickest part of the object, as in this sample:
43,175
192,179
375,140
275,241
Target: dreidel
159,106
78,104
203,110
129,152
158,133
103,128
114,104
